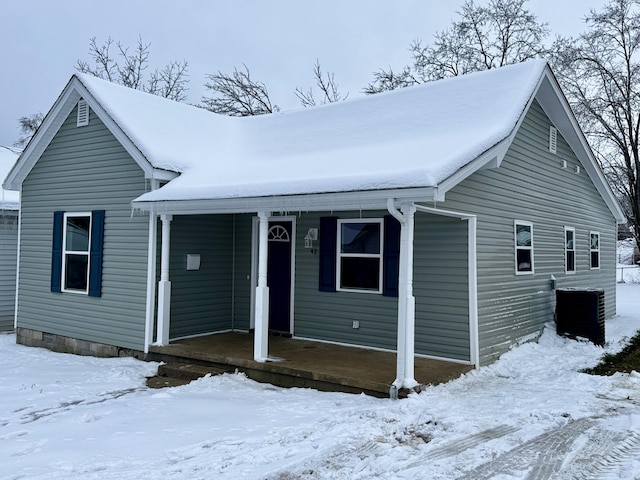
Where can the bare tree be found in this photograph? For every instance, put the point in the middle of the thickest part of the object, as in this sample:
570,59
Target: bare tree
327,86
237,94
28,126
600,74
129,66
485,37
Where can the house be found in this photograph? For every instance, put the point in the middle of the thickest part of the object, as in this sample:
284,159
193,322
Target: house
9,207
428,221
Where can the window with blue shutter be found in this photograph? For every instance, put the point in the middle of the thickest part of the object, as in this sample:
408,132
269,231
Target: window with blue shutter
359,255
76,264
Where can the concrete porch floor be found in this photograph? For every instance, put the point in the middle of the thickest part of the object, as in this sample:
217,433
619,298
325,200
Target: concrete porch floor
304,363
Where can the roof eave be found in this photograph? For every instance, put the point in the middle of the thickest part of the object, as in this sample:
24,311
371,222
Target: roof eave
334,201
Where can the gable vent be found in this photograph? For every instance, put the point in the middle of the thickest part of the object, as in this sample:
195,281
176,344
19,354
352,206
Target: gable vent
83,114
553,139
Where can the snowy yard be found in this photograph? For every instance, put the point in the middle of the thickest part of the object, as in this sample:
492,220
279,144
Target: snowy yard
530,415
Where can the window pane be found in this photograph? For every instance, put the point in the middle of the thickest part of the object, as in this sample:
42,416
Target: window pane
76,272
523,235
571,261
569,239
595,259
77,234
360,238
524,260
360,273
595,241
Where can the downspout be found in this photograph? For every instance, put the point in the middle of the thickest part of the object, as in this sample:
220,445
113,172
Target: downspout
405,371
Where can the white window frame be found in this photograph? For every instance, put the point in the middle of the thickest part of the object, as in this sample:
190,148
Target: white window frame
340,255
567,250
516,223
65,252
594,250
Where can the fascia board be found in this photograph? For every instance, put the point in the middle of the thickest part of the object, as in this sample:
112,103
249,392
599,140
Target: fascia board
555,105
491,158
341,201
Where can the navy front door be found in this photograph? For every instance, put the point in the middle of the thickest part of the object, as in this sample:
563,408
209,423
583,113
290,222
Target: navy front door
279,275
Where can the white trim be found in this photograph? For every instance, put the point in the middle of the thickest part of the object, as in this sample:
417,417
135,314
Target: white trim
517,247
592,250
340,255
315,202
15,307
65,252
567,250
474,336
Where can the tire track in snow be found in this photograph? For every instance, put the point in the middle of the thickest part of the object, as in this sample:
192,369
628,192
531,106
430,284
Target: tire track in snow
35,415
552,455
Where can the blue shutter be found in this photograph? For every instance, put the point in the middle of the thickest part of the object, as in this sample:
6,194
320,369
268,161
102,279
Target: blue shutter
391,257
328,234
95,253
56,252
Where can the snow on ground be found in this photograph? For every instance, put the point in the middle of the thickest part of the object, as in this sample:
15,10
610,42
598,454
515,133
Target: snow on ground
530,415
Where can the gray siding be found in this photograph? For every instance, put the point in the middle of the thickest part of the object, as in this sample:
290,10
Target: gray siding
242,272
531,185
329,315
201,300
441,286
85,169
8,260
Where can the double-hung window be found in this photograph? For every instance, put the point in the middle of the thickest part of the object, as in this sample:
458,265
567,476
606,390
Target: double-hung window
75,252
524,247
594,249
359,255
569,250
76,260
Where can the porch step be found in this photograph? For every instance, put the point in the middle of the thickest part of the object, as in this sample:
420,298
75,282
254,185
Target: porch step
176,374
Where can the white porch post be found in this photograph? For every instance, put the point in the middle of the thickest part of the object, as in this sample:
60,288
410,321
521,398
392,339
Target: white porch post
164,286
261,332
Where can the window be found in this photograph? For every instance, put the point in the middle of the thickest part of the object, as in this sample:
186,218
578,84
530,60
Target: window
76,262
524,247
594,249
359,259
569,250
75,252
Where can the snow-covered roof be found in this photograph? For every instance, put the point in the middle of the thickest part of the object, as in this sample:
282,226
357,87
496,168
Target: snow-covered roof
411,144
414,137
9,200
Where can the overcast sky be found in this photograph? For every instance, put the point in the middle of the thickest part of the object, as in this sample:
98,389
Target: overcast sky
279,40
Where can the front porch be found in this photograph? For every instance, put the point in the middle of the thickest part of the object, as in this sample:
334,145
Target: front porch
305,363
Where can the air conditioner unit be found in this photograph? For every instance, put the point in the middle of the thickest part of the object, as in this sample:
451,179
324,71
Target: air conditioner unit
580,313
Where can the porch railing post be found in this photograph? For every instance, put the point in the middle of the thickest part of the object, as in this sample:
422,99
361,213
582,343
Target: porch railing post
261,333
164,286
